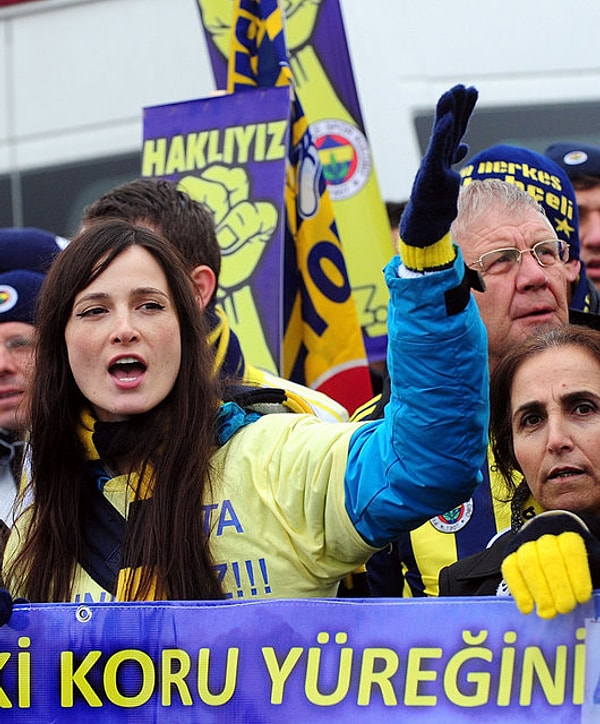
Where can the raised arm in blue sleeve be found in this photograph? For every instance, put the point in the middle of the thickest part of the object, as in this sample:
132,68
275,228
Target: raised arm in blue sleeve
424,457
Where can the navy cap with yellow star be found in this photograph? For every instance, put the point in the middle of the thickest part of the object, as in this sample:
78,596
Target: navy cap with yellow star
549,185
537,174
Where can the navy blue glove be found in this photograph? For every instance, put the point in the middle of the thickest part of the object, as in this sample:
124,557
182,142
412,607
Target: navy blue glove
6,606
432,205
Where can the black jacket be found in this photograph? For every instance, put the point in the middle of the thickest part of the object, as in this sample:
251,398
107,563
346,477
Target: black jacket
479,574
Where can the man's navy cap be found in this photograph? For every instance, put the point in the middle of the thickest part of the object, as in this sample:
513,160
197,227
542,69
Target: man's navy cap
537,174
28,248
577,159
547,182
25,256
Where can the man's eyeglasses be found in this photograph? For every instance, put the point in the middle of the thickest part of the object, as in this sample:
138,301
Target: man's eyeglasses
500,261
18,346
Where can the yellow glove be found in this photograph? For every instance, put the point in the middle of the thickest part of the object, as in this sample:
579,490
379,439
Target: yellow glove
549,567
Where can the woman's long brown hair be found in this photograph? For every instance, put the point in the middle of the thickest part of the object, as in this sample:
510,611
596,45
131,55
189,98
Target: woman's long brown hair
170,539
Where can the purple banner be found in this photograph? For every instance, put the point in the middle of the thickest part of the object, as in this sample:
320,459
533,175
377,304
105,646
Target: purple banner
229,152
426,660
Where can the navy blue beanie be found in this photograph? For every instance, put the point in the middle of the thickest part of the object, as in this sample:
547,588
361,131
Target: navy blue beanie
577,159
28,248
549,185
25,256
19,291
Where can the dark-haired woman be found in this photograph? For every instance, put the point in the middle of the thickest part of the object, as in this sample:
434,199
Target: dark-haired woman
545,428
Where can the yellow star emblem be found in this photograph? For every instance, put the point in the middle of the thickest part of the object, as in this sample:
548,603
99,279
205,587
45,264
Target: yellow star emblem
564,227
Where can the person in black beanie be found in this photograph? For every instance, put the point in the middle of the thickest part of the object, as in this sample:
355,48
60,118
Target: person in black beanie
550,185
25,255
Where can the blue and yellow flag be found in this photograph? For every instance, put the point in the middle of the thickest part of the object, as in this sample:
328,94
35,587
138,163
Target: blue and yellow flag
323,345
320,61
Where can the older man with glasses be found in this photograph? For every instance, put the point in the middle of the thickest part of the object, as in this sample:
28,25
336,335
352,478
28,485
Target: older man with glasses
25,256
497,226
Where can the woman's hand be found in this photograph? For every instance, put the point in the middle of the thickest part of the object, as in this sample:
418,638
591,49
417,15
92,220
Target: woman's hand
548,565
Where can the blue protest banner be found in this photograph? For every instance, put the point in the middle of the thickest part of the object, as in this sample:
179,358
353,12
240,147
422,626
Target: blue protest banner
426,660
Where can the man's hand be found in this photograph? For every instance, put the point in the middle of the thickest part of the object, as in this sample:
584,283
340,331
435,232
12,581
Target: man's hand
432,205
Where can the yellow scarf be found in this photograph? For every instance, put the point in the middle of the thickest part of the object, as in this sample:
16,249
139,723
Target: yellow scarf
129,577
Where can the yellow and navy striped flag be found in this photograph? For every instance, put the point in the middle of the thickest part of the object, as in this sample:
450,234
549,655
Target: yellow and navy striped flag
323,344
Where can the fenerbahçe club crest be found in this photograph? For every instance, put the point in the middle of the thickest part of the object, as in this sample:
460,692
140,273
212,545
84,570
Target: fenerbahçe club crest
345,156
8,297
454,519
